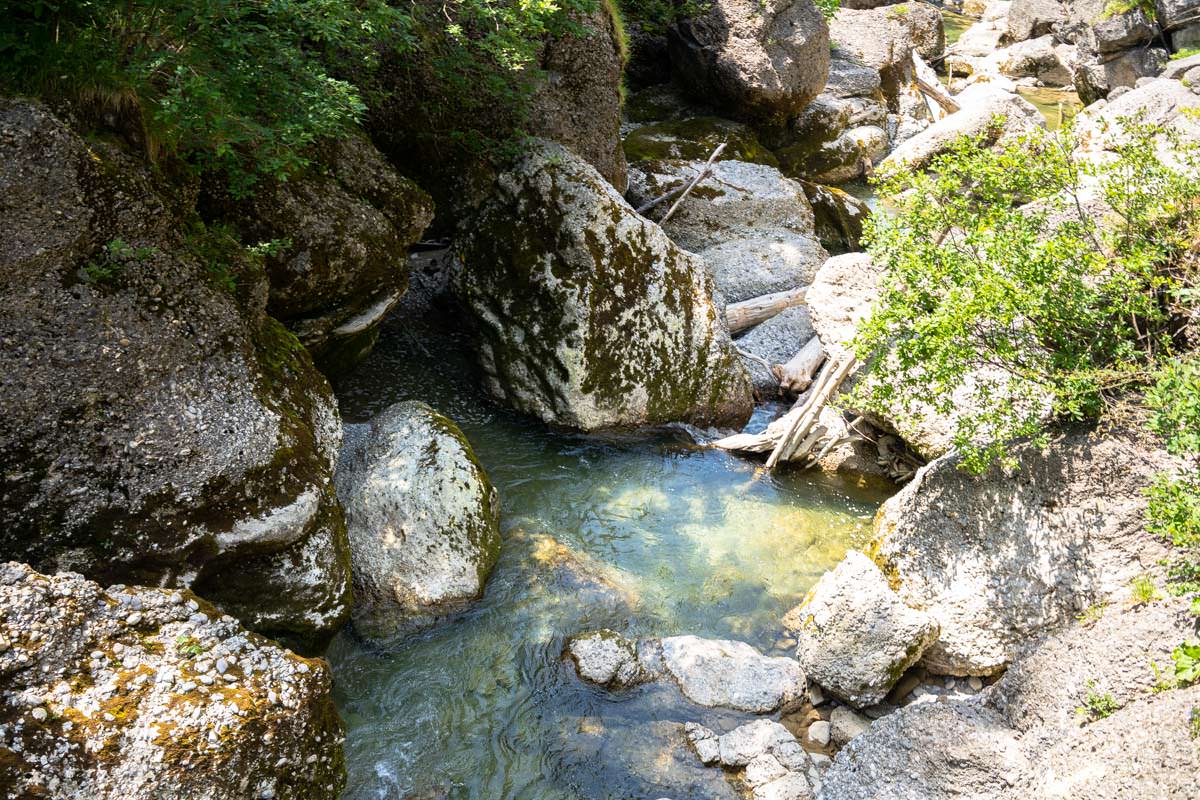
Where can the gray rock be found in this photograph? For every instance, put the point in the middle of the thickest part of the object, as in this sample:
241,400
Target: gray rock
820,732
738,200
846,724
756,265
96,727
608,659
1165,103
1096,76
981,104
704,741
838,217
747,742
1028,19
578,101
855,637
1178,68
729,674
1042,58
842,293
753,60
1071,534
928,750
158,426
585,310
775,341
1176,15
347,223
422,516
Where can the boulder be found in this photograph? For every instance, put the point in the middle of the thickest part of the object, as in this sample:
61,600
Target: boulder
1166,104
586,311
841,294
1097,75
931,751
341,232
422,517
159,427
578,101
855,636
1177,68
738,200
754,61
752,266
838,217
1181,19
695,139
729,674
606,658
142,693
885,38
981,106
775,341
716,673
1005,556
1042,59
1029,19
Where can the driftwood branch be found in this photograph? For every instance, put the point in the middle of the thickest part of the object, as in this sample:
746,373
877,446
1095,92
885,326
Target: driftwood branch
797,374
759,359
748,313
682,191
928,83
798,440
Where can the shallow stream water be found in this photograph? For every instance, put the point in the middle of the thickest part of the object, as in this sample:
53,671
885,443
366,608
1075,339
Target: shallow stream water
647,534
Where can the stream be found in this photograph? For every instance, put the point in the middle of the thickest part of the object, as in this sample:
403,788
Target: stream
646,534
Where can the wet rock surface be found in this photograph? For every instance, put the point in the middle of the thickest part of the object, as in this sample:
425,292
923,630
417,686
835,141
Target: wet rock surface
137,693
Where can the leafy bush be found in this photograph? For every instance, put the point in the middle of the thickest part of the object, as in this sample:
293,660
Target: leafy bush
654,16
1000,284
1173,512
1097,704
1187,663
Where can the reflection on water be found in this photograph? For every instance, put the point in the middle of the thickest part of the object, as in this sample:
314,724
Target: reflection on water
1057,105
645,534
954,25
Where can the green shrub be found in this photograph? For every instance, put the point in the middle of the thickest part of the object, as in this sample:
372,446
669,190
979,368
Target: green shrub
1187,663
1143,590
655,16
977,281
1097,704
1173,511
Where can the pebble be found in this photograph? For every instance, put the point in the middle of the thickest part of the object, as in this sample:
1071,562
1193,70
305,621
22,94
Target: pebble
222,665
818,732
207,680
39,714
975,683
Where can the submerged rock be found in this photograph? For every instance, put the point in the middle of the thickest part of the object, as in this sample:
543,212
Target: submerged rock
422,517
139,693
752,60
1007,556
342,231
606,658
855,636
588,315
158,427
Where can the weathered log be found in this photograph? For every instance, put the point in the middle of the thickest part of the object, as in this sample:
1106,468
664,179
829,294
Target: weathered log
748,313
797,442
931,87
797,374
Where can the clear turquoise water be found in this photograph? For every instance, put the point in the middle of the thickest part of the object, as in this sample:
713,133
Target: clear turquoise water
646,534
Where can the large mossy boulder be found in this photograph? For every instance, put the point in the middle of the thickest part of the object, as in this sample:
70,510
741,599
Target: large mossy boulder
757,61
588,316
1010,555
159,427
135,693
422,517
336,240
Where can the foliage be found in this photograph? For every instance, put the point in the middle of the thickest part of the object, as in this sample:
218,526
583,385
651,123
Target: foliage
1096,704
1194,722
1115,8
1186,52
111,260
829,8
1187,663
1001,287
655,16
1173,511
1143,590
1092,614
240,85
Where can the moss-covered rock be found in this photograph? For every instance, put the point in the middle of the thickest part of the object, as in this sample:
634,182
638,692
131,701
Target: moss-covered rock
588,315
423,519
336,240
151,694
158,427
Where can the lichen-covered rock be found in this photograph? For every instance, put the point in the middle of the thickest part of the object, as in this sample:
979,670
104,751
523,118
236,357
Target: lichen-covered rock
929,751
422,517
1029,19
158,427
838,217
343,229
729,674
753,60
588,315
695,139
578,101
138,693
1006,556
606,658
855,636
737,201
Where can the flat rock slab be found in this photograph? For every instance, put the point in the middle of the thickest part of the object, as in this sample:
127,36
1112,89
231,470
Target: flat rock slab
731,674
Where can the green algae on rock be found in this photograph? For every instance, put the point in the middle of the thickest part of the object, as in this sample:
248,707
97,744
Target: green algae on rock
588,316
138,693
